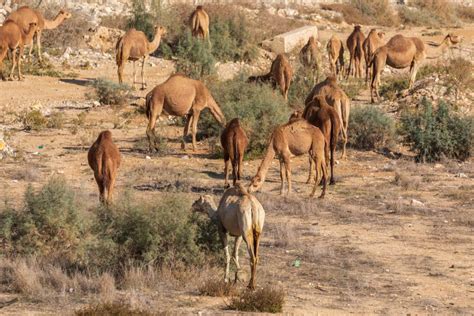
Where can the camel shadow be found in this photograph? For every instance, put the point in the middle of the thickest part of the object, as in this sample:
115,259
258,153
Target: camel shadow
79,82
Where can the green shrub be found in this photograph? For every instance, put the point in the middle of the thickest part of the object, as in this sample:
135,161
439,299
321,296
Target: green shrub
370,128
109,92
142,19
33,120
195,58
435,134
393,86
301,84
352,87
264,300
459,75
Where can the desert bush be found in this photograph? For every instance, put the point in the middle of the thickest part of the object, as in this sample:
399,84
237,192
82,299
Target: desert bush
392,87
352,87
56,120
437,133
366,12
109,92
266,300
370,128
465,13
33,120
259,108
112,309
301,84
143,19
459,75
71,32
432,13
216,287
195,58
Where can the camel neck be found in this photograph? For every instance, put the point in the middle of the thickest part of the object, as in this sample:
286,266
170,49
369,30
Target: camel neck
266,162
154,44
52,24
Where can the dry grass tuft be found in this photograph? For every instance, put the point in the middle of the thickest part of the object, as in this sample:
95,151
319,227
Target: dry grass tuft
216,287
112,309
107,287
407,182
266,300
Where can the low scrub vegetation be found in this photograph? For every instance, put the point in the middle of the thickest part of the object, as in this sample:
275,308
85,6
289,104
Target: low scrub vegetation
110,93
112,309
432,13
459,75
265,300
217,287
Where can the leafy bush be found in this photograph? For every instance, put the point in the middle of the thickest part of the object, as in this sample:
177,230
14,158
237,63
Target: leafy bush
109,92
370,128
366,12
392,87
259,108
434,134
143,19
195,58
264,300
301,84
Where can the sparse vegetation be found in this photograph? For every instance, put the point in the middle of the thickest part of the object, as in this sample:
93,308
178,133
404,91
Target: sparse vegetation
459,75
112,309
56,120
432,13
109,92
216,287
265,300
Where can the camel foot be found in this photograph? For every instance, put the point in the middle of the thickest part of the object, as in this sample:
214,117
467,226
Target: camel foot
251,287
143,88
332,182
226,186
321,196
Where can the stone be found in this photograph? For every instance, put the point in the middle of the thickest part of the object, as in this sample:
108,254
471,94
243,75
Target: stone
288,41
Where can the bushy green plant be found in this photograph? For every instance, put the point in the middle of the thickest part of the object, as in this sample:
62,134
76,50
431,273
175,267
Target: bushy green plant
459,75
33,120
265,300
141,18
195,57
437,133
109,92
370,128
392,87
301,84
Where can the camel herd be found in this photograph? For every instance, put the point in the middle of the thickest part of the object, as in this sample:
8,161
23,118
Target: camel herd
315,131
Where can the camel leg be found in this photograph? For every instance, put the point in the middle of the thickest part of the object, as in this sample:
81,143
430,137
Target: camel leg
13,64
324,178
288,173
143,73
20,53
413,71
235,256
195,123
38,44
187,124
373,84
110,188
3,53
310,170
248,237
120,72
239,166
333,150
282,176
134,73
317,162
226,170
101,186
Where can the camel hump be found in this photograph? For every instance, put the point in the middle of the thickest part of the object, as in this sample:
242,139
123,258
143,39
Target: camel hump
235,122
199,7
105,136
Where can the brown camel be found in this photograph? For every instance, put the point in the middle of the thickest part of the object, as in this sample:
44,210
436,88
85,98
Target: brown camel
338,99
180,96
199,23
241,215
354,45
373,41
293,139
13,38
104,159
310,57
296,115
26,15
280,73
134,46
321,115
399,52
335,50
234,141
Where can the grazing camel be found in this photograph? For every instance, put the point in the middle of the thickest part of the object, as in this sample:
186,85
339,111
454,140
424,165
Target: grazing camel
293,139
310,57
199,23
13,38
241,215
338,99
280,73
373,41
134,46
104,160
26,15
234,141
449,42
335,50
321,115
399,52
354,45
180,96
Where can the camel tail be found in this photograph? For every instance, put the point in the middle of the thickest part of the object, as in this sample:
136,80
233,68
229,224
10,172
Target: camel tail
235,162
148,104
105,172
119,49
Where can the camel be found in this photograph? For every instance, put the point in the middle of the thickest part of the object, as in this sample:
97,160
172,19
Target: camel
134,46
199,23
280,73
321,115
335,50
26,15
104,160
296,115
354,45
399,52
234,141
336,98
373,41
448,44
11,39
293,139
309,57
180,96
241,215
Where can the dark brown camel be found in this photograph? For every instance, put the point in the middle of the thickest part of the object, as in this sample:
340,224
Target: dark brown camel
234,141
354,45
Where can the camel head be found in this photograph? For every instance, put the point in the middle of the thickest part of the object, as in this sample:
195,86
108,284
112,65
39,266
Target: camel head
161,30
255,184
64,14
454,39
357,28
331,79
205,204
381,35
199,8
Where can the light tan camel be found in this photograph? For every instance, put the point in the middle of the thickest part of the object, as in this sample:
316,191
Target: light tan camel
373,41
234,141
354,45
448,44
321,115
280,74
104,160
295,138
399,52
180,96
241,215
199,23
335,50
134,46
26,15
11,39
338,99
310,57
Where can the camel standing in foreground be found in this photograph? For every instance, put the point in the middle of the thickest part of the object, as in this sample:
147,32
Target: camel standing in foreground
335,50
241,215
336,98
321,115
104,159
354,45
373,41
199,23
234,141
180,96
310,57
13,38
25,15
280,73
295,138
134,46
